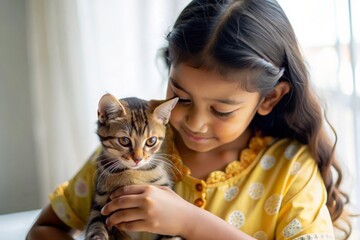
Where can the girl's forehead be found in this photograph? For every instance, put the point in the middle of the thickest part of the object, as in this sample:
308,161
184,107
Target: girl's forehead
189,75
203,82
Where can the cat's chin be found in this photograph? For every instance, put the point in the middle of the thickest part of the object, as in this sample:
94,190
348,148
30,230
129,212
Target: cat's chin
135,166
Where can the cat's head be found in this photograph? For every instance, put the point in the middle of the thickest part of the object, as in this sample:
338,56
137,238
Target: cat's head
131,130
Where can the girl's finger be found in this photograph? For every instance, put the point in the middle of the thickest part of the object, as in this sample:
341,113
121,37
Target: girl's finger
122,202
134,226
127,190
124,216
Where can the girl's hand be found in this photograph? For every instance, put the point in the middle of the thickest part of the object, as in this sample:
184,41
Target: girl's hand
148,208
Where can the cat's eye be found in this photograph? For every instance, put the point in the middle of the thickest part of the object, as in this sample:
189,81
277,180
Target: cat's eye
124,141
151,141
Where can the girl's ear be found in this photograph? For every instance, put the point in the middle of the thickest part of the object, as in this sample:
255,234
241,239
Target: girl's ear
272,98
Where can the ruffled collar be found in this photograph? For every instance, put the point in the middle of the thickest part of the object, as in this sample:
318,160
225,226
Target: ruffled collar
247,156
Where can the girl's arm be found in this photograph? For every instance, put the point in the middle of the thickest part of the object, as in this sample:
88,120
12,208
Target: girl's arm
205,225
160,210
49,226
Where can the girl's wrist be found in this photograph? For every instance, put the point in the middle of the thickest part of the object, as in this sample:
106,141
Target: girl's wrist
189,220
197,223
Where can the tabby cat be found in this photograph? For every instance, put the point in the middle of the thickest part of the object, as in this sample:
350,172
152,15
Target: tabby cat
131,131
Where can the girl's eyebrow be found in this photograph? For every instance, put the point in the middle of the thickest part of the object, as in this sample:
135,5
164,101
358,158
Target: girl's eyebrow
229,101
224,101
175,84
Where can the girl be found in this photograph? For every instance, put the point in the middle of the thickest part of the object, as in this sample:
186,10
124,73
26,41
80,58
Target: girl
247,135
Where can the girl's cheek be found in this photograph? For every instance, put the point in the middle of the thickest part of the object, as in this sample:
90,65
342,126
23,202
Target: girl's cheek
176,115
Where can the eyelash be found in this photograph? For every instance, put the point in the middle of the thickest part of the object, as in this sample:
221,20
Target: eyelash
221,114
185,102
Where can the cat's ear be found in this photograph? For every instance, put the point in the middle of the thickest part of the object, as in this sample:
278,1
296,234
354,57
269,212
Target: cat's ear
109,108
163,111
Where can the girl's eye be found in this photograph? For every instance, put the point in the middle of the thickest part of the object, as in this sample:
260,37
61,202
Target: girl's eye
183,101
151,141
221,114
124,141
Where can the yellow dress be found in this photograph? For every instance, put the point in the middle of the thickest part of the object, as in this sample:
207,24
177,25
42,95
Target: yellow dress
274,191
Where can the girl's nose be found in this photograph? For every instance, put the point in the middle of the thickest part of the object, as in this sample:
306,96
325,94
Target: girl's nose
196,121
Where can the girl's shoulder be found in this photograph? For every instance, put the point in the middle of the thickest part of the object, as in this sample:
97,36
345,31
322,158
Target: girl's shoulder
287,150
71,201
277,146
268,153
287,160
93,158
88,170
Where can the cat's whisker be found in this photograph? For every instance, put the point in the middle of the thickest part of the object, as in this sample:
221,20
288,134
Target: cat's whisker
168,157
106,162
103,174
107,168
170,166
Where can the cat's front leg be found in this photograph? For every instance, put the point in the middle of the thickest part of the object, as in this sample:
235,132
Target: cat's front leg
96,229
116,234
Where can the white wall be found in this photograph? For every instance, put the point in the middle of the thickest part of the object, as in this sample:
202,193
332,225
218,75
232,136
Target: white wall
18,178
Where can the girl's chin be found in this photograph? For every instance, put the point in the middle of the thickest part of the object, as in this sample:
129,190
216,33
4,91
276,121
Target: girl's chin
195,143
200,147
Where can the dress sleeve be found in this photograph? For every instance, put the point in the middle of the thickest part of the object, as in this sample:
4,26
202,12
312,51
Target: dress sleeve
303,213
71,201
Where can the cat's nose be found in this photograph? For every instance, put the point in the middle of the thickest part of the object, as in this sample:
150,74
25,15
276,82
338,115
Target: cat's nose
137,155
137,160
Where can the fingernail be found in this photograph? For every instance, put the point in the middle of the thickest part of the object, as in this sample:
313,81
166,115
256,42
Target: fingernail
107,223
103,211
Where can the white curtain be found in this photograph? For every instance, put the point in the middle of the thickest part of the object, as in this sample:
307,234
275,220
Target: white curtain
79,50
59,92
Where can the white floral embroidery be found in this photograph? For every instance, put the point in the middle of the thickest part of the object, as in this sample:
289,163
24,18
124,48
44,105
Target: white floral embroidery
295,168
260,235
290,151
81,188
272,204
59,208
237,219
231,193
267,162
256,190
317,236
292,228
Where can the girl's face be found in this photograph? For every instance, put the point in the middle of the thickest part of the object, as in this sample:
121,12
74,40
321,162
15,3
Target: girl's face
211,112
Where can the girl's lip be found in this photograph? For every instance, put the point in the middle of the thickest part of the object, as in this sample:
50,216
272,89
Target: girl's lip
194,137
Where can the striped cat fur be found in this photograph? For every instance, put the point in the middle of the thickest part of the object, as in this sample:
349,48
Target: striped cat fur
131,132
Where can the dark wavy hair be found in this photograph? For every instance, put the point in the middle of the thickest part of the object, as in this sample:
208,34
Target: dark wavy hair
256,36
